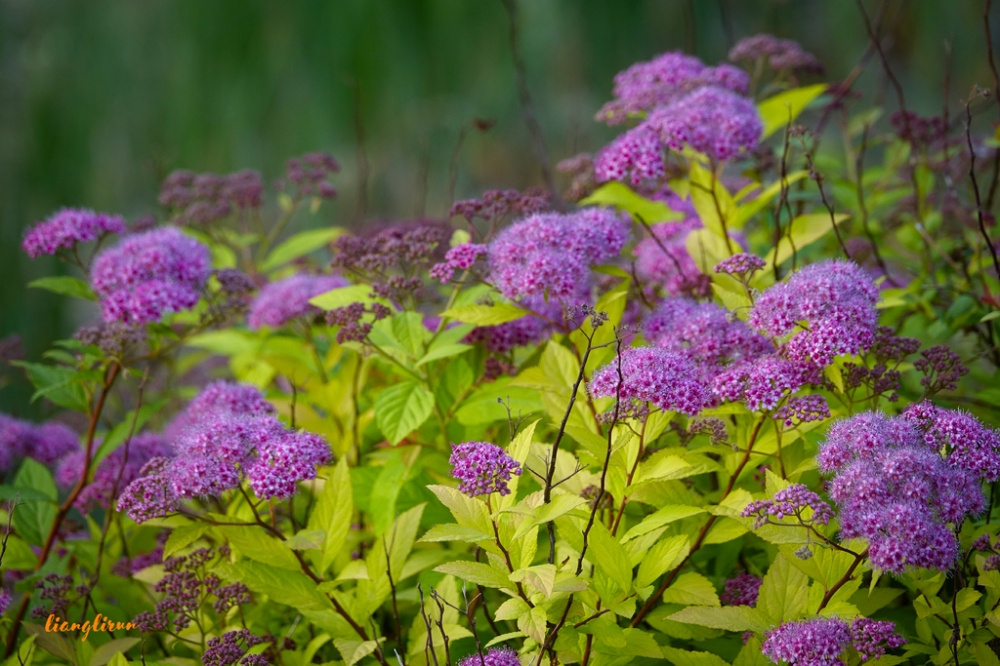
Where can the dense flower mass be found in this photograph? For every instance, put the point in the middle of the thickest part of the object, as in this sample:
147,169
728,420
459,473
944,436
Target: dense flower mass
837,301
823,641
503,656
459,258
713,121
967,443
482,468
788,502
664,260
740,264
115,472
45,443
280,302
705,333
150,274
552,253
762,382
202,198
663,378
741,590
67,227
893,487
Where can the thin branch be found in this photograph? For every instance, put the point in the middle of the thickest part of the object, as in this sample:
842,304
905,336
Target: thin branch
975,186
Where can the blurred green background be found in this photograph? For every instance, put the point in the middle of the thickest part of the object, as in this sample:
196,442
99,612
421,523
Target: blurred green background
100,100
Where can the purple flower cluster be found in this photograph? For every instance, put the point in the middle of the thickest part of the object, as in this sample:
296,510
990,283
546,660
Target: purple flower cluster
527,330
741,590
497,204
200,199
459,258
761,383
780,54
228,434
894,488
803,409
4,600
822,641
663,378
789,502
55,589
503,656
705,333
227,650
664,260
837,301
150,274
662,81
967,443
115,472
66,228
635,156
742,264
309,175
482,468
552,253
280,302
941,367
45,443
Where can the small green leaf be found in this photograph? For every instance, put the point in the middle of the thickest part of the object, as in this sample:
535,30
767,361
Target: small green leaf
477,573
299,245
485,315
805,230
33,475
620,195
691,589
182,537
533,624
782,109
354,651
343,296
253,542
305,540
784,594
454,532
112,651
402,408
65,285
730,618
662,557
679,657
609,556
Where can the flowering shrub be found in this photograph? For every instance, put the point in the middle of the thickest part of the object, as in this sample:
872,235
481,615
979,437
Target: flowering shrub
734,404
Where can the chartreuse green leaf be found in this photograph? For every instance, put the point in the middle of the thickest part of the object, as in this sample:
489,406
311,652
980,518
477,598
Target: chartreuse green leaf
784,595
805,230
607,554
691,589
402,408
712,201
752,207
354,651
782,109
621,196
533,623
332,513
113,650
65,285
661,558
253,542
61,385
182,537
476,573
751,655
300,245
730,618
485,315
343,296
680,657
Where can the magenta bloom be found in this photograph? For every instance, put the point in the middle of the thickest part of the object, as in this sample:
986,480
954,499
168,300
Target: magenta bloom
780,54
704,333
822,641
713,121
664,260
482,468
284,461
149,275
101,491
4,600
459,258
67,227
969,444
742,264
635,156
762,382
503,656
280,302
789,502
837,301
46,443
657,376
893,488
742,590
552,253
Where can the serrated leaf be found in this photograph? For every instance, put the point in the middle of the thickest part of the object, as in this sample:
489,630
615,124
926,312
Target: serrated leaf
680,657
65,285
253,542
354,651
182,537
344,296
402,408
691,589
662,557
332,513
664,516
605,552
784,594
485,315
533,624
730,618
476,572
454,532
299,245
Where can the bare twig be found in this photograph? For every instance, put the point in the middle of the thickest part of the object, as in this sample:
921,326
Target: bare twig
975,185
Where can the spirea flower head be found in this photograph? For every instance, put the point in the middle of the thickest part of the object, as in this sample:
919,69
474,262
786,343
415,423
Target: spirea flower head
803,409
309,175
712,120
115,472
46,443
822,641
482,468
635,156
67,227
837,301
552,253
494,205
150,274
968,443
664,378
284,461
280,302
788,502
664,260
664,79
459,258
202,198
741,590
762,382
780,54
704,333
895,489
742,264
503,656
230,648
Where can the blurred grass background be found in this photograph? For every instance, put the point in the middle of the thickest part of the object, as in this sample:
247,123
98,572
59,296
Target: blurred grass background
100,100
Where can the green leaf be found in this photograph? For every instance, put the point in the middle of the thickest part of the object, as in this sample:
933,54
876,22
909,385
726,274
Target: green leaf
299,245
385,492
253,542
333,512
725,530
409,330
730,618
19,554
117,646
477,573
306,540
34,475
55,644
621,196
485,315
443,351
65,285
805,230
63,386
561,504
354,651
757,204
343,296
691,589
712,201
784,594
662,557
533,624
454,532
24,655
608,555
402,408
182,537
679,657
782,109
467,511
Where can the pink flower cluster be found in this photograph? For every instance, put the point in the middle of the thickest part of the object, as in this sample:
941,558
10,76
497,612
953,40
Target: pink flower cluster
229,433
666,379
459,258
203,198
552,253
788,502
822,641
966,442
284,300
503,656
894,488
836,300
67,227
150,274
761,383
741,590
482,468
115,472
45,443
